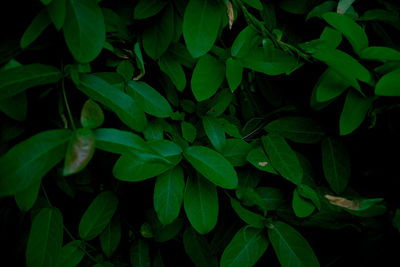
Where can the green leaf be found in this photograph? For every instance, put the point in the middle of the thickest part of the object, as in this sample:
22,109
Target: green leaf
125,69
98,215
290,246
336,164
272,197
45,238
245,249
249,217
208,75
201,23
148,8
15,107
215,132
330,85
168,195
201,204
302,207
321,9
151,101
344,5
297,129
212,166
171,66
57,11
111,236
71,254
254,3
138,166
27,198
37,26
259,160
349,28
380,53
80,151
158,36
123,105
388,84
140,253
18,79
283,158
46,2
84,30
246,40
332,37
307,192
276,62
92,115
354,111
234,72
198,249
236,151
35,156
189,132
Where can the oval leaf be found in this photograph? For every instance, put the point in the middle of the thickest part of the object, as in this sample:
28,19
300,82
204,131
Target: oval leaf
388,85
27,198
198,249
84,29
201,204
249,217
302,207
170,66
71,254
98,215
330,85
45,238
140,253
259,160
235,151
38,25
380,53
148,8
212,166
215,132
92,115
234,73
111,236
57,11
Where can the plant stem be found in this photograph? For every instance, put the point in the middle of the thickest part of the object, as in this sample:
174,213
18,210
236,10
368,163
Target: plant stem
67,105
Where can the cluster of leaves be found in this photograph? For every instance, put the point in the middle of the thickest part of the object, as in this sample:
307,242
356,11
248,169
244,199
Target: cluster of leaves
207,130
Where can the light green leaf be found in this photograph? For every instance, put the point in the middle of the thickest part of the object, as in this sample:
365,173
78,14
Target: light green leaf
201,23
290,246
148,8
212,166
350,29
201,204
158,36
198,249
140,253
354,111
249,217
57,11
189,132
111,236
332,37
92,115
296,129
344,5
330,85
71,254
380,53
283,158
215,132
234,72
259,160
151,101
336,164
37,26
321,9
27,162
16,80
123,105
273,197
208,75
245,249
45,238
170,66
168,195
388,84
27,198
236,151
84,30
98,215
302,207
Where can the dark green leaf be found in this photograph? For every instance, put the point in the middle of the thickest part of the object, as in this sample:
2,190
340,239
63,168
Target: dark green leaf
272,197
236,151
189,132
34,156
332,37
354,111
302,207
201,23
207,77
71,254
57,11
45,238
254,3
234,72
18,79
296,129
380,53
15,107
170,66
336,164
259,160
151,101
80,151
27,198
111,236
98,215
212,166
245,249
92,115
125,69
330,85
215,132
198,249
168,195
246,40
148,8
283,158
37,26
290,246
123,105
388,84
140,253
84,29
201,204
321,9
249,217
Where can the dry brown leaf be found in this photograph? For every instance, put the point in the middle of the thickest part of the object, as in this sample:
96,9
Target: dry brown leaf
229,11
262,164
344,202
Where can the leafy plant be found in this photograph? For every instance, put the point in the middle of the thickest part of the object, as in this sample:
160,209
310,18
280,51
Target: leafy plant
199,132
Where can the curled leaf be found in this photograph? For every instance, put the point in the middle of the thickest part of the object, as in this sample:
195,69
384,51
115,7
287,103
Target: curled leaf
92,115
229,12
344,202
80,151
